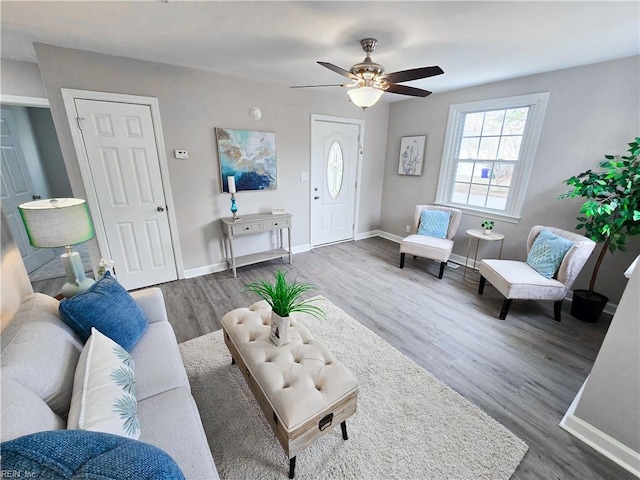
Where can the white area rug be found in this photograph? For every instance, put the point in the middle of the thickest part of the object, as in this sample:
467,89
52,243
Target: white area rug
409,425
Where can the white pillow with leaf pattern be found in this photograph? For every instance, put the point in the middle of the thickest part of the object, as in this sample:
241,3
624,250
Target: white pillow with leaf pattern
104,397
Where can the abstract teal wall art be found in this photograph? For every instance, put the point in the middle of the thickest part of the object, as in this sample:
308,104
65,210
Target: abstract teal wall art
249,156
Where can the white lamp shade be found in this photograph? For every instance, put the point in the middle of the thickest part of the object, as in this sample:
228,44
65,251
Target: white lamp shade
57,222
364,97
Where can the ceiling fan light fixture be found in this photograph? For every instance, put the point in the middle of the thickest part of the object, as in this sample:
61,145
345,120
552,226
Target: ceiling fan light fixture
364,97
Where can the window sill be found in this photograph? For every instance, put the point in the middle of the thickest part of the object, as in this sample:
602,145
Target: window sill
484,214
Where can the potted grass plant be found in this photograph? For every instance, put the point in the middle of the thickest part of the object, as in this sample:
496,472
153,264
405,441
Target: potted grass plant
284,298
610,214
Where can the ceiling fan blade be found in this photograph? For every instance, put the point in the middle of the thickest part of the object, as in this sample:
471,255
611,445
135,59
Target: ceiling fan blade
413,74
341,71
405,90
311,86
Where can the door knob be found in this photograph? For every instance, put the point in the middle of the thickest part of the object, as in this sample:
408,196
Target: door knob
36,197
316,197
160,209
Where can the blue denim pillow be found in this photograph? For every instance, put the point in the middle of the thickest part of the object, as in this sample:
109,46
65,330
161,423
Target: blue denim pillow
109,308
547,252
434,223
66,454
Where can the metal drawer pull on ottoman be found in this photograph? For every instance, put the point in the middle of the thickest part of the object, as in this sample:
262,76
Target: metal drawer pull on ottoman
325,422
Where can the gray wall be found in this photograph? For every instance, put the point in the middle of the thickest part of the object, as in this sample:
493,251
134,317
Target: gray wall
592,111
194,102
21,79
611,401
46,140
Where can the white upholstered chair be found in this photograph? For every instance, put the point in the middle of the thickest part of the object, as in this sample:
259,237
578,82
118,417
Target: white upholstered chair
517,280
438,249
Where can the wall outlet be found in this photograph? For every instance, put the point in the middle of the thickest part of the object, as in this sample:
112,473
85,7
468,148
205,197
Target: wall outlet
407,229
181,154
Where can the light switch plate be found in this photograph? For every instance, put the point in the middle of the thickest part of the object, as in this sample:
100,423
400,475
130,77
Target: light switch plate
181,154
304,176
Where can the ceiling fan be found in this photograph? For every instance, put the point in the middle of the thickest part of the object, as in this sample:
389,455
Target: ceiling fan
369,80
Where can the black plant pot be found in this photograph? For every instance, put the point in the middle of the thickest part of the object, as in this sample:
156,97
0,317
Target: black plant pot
588,306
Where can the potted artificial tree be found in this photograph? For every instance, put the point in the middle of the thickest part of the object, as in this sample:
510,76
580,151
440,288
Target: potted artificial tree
284,299
610,214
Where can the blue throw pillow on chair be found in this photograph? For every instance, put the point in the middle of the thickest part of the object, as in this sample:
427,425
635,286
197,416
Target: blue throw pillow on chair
109,308
434,223
67,454
547,252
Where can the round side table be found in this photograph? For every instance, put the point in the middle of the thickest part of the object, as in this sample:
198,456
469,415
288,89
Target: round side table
479,235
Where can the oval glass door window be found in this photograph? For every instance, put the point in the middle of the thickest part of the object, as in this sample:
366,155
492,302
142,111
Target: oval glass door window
335,170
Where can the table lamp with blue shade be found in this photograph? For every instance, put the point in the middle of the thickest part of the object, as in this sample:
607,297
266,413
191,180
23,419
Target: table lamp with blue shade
61,222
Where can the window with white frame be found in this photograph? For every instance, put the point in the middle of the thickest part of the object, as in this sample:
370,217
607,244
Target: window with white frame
489,152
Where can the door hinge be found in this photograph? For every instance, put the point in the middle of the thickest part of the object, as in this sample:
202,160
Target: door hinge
79,120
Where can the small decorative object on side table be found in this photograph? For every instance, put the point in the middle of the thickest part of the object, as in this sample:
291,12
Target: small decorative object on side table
488,226
231,181
106,265
480,235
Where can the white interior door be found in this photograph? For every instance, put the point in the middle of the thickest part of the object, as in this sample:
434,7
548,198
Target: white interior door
123,159
17,188
334,164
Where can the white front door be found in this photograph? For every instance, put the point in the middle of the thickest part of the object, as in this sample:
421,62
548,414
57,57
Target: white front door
334,165
123,158
17,188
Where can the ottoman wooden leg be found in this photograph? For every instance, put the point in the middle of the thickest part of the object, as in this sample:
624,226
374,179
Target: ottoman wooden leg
292,467
343,426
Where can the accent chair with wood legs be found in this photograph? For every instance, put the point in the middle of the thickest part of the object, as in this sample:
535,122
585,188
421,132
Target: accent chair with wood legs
518,280
421,244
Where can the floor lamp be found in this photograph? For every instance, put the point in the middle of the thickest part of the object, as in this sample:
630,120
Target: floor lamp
61,222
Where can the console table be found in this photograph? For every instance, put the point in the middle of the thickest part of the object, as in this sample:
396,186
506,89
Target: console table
250,225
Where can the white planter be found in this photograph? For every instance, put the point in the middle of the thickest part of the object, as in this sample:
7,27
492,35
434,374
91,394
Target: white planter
487,232
280,334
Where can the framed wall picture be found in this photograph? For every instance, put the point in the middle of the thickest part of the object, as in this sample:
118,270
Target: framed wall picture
411,155
248,156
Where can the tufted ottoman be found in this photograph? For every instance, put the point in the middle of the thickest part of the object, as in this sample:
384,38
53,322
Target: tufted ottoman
302,389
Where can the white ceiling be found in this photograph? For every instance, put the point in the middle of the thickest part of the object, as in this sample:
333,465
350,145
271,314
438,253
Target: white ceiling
474,42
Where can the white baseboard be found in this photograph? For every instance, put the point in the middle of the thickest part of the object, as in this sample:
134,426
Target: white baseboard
598,440
222,266
207,269
301,248
370,234
390,236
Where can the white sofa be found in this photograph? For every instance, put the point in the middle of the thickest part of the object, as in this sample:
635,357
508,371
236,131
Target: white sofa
39,357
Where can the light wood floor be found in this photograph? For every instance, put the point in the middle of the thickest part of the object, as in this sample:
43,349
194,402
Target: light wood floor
524,371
